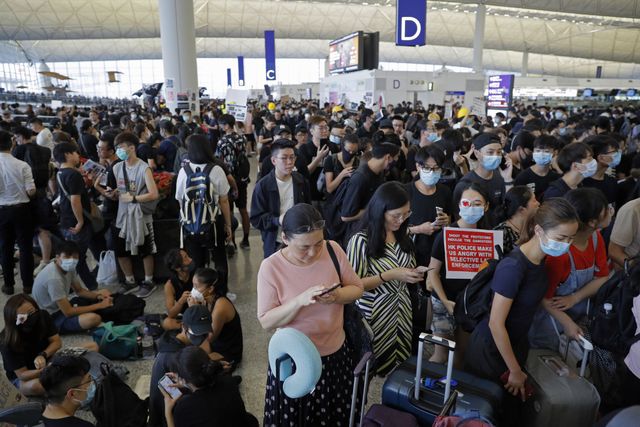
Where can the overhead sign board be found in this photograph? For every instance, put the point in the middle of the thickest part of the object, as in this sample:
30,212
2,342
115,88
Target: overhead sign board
500,91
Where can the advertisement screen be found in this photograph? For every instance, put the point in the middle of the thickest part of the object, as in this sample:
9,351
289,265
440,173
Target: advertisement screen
500,91
345,54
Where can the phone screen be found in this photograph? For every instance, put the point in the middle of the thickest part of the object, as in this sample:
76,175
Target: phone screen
167,385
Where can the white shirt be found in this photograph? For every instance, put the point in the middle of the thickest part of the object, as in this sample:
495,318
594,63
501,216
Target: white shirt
217,179
15,180
285,190
45,139
633,358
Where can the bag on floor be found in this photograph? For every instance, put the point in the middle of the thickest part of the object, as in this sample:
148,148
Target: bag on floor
125,309
116,342
116,405
107,269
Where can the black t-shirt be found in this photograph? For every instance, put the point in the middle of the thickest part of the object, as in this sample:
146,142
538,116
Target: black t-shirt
89,146
66,422
265,151
557,188
538,184
73,184
451,286
423,209
608,186
35,343
363,133
38,157
146,152
307,152
335,166
362,184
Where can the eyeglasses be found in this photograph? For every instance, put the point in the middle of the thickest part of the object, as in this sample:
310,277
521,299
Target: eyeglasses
401,217
323,127
287,158
430,169
318,225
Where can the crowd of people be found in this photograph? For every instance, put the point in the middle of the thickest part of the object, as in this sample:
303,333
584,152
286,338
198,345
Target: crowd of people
358,198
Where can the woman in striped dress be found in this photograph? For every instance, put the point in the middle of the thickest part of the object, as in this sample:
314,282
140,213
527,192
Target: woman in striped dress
382,254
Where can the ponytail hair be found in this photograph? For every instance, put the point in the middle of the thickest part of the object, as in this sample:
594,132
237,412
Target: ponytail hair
550,214
195,367
517,197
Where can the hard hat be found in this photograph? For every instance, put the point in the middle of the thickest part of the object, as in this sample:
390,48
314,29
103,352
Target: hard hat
271,106
463,112
336,109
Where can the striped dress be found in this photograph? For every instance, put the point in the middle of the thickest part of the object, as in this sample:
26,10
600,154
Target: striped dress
387,308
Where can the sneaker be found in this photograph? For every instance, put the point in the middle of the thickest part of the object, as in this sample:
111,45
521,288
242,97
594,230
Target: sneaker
39,268
127,287
146,289
231,249
231,296
8,290
245,244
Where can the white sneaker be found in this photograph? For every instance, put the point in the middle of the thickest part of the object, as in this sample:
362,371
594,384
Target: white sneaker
39,268
231,296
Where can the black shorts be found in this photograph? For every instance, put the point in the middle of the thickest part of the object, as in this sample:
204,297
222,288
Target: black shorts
44,217
241,201
250,137
147,248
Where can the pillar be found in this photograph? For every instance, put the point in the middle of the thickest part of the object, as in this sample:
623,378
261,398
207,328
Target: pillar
525,63
178,40
478,39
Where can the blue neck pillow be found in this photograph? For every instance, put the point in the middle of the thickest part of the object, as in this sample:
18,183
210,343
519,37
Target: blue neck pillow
303,353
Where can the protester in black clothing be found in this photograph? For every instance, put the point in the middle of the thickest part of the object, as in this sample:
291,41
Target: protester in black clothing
339,166
178,287
540,174
88,140
521,152
315,151
367,127
577,163
607,153
265,138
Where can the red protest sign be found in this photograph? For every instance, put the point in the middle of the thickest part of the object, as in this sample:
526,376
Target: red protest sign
466,249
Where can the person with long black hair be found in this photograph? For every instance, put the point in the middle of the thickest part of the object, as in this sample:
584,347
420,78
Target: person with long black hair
382,254
177,289
519,204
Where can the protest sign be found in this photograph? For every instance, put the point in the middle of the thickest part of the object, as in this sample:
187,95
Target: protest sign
466,249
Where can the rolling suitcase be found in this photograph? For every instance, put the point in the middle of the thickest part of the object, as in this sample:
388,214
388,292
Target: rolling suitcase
378,415
422,388
561,397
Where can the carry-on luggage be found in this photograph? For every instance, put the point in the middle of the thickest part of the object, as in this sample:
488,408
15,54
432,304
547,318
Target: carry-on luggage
422,388
445,419
561,397
378,415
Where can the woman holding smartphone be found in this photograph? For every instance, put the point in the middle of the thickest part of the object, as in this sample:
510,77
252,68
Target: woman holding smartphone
383,256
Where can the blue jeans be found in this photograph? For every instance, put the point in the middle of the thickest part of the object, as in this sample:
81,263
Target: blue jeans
83,239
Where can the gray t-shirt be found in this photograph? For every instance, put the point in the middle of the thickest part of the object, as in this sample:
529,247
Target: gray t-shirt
50,285
137,186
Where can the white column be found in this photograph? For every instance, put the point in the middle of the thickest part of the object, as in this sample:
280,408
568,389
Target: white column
478,39
525,63
178,39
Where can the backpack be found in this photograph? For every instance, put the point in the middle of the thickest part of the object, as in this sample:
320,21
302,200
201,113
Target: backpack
198,210
38,158
474,303
181,155
336,228
125,309
117,342
116,405
616,331
244,168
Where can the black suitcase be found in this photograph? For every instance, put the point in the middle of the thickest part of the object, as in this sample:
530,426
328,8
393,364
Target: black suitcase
416,386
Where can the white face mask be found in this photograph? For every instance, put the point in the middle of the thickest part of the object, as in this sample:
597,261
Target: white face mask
197,295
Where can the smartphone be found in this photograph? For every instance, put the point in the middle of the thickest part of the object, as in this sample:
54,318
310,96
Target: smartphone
331,289
423,269
167,385
439,211
528,388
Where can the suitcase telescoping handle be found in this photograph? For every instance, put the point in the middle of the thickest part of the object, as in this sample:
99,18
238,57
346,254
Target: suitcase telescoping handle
587,346
364,364
436,340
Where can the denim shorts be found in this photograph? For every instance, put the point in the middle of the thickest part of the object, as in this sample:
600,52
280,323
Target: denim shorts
443,323
66,325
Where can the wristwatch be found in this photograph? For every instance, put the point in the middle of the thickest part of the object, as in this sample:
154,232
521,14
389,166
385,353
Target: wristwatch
134,200
43,354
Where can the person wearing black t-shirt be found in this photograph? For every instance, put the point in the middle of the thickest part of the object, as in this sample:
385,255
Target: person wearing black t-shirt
540,174
339,166
265,138
315,151
607,153
88,140
577,163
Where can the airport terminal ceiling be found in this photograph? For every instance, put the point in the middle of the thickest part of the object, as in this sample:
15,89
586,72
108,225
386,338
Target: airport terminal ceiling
562,37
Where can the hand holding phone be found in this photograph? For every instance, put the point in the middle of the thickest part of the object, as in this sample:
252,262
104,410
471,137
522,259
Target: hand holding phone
170,387
331,289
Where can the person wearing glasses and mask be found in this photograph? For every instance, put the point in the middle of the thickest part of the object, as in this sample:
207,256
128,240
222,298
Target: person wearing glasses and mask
68,386
294,290
276,193
338,167
382,254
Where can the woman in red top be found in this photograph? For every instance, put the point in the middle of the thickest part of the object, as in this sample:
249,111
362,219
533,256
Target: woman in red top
575,276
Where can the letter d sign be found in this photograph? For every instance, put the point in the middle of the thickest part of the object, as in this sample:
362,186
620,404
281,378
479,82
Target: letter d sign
411,22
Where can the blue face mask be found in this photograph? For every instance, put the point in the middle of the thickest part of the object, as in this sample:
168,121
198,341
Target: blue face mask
429,178
590,169
122,154
616,159
433,137
68,264
491,162
562,131
471,214
554,248
542,158
91,392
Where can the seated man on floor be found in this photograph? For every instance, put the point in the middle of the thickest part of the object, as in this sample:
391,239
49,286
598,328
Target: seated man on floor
53,285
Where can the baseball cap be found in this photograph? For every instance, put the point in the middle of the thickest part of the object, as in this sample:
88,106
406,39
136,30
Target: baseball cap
197,320
485,139
350,124
281,129
385,123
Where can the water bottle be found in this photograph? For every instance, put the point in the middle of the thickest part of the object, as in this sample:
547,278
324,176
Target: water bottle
139,347
147,344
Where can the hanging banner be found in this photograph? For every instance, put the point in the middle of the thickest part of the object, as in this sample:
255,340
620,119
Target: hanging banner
240,70
411,22
229,84
270,54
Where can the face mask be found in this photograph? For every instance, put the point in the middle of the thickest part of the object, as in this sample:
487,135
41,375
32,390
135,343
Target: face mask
559,115
30,323
122,154
491,162
335,139
554,248
615,159
562,131
542,158
196,339
134,116
471,214
91,392
590,168
21,318
68,264
186,118
429,178
346,156
197,295
433,137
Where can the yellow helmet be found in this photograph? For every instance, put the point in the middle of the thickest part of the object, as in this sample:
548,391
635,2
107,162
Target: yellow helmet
463,112
336,109
271,106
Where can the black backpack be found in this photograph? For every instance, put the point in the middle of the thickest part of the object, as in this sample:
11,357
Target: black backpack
244,168
116,405
616,330
125,309
336,228
474,303
38,158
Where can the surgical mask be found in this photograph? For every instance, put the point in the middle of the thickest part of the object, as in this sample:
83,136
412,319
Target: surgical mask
433,137
68,264
471,214
186,117
197,295
335,139
430,178
562,131
346,156
559,115
615,159
542,158
91,392
134,116
491,162
122,154
590,169
554,248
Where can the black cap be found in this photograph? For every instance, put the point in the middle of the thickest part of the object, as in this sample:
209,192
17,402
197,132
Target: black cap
301,128
485,139
197,320
281,129
385,123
